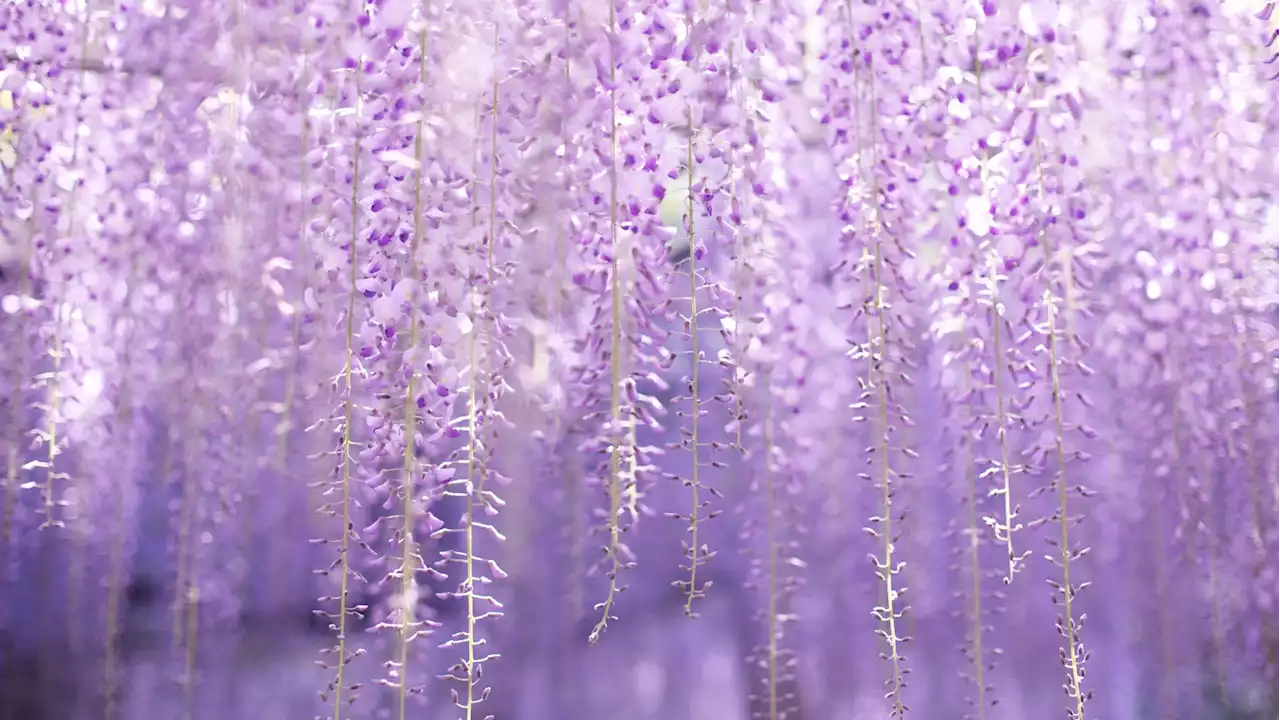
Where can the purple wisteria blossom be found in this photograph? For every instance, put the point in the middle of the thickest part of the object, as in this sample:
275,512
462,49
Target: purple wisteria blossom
592,359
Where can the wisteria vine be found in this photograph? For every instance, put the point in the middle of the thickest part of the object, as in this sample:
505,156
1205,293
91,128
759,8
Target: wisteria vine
404,316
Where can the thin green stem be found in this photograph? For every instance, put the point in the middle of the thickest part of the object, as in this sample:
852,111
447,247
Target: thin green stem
1071,653
408,566
116,560
473,425
614,547
879,356
348,404
692,591
975,563
772,625
1002,431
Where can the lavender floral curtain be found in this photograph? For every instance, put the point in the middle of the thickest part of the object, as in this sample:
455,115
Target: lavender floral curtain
595,359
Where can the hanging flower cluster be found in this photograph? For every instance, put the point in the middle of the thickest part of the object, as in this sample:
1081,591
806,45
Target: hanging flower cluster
940,337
